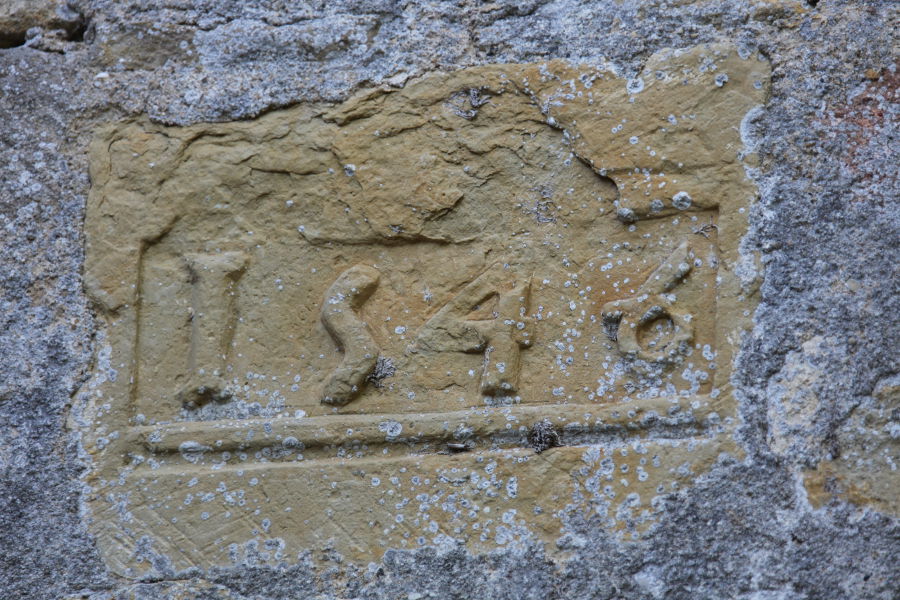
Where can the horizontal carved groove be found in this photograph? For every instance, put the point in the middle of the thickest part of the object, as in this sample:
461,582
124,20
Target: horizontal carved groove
573,420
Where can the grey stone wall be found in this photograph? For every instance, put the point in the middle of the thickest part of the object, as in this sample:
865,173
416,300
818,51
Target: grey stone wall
821,360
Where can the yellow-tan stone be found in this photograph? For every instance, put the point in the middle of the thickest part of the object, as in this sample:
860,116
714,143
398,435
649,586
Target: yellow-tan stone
334,326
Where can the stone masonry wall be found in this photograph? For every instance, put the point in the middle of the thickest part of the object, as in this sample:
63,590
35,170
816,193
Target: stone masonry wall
811,510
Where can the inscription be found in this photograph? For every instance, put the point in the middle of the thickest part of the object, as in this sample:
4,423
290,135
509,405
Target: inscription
342,300
449,313
212,317
499,337
652,314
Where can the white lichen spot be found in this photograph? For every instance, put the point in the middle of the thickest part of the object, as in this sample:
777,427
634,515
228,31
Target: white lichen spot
391,428
635,86
512,487
682,200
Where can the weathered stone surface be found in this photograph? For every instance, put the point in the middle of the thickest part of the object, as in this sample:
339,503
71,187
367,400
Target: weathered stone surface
863,467
824,226
512,244
25,21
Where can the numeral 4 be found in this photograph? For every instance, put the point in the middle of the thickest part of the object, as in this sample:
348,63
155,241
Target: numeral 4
500,337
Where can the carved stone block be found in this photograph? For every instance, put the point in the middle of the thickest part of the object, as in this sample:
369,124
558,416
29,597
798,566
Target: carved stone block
345,326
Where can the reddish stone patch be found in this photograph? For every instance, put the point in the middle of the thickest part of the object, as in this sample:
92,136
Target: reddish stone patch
866,118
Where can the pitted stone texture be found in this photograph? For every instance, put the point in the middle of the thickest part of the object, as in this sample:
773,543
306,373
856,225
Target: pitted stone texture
45,332
233,59
862,465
